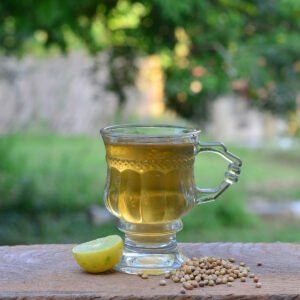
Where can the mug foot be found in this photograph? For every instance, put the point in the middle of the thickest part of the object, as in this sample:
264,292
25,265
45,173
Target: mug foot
151,249
150,263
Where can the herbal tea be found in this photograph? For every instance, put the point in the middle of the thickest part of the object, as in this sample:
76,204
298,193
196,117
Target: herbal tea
150,183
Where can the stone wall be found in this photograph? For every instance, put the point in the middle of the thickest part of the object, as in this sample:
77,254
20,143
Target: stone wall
233,119
59,93
62,94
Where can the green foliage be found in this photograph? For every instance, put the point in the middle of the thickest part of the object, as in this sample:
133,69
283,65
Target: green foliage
42,173
251,47
47,184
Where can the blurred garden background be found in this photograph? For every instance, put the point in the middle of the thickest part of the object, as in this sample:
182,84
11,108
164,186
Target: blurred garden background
68,68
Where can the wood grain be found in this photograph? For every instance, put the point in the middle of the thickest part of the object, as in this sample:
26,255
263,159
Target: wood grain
49,272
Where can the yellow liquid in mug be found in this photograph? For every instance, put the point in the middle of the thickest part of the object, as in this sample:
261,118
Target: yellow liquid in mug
150,183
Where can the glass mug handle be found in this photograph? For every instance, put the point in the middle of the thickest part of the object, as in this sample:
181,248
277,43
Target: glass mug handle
231,176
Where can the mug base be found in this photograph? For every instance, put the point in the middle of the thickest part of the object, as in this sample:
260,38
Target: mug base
150,263
150,249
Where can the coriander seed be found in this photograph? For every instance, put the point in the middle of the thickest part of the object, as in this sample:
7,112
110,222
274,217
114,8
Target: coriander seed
162,282
194,283
211,283
187,286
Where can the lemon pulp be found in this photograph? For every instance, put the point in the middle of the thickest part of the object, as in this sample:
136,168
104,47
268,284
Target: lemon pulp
99,255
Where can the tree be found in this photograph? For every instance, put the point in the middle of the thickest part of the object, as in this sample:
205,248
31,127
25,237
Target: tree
206,47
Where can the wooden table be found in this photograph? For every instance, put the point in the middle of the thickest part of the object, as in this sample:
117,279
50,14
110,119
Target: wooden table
49,271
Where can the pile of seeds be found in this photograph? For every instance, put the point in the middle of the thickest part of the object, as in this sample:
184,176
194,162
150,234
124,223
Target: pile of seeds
211,271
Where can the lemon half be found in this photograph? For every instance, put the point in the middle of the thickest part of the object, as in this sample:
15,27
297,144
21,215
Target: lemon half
99,255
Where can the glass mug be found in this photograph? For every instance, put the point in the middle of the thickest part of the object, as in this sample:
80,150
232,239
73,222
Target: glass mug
150,186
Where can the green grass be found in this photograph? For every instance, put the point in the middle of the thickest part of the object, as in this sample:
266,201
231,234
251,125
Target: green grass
48,182
66,172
